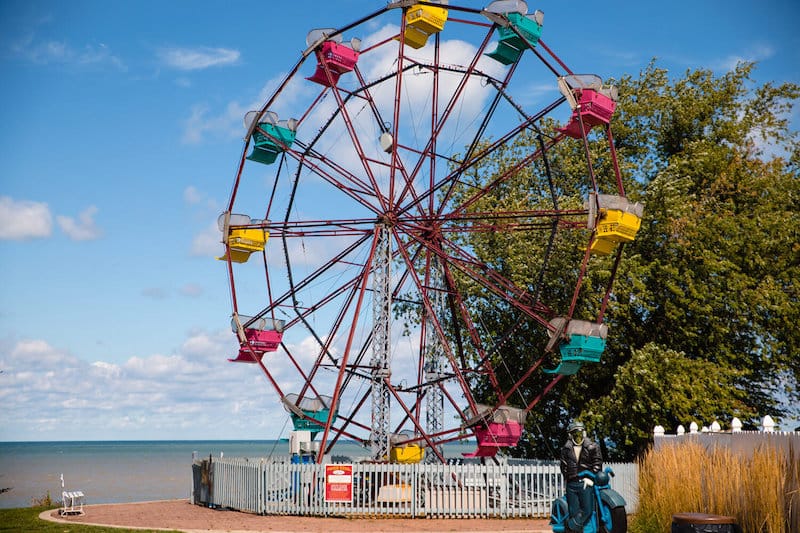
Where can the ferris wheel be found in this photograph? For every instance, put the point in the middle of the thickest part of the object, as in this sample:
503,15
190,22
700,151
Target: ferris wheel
352,235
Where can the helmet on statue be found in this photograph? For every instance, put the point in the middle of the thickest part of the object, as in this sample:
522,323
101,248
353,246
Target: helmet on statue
576,432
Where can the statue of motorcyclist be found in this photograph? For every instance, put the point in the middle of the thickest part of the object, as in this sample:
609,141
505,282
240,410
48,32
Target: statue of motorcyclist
579,454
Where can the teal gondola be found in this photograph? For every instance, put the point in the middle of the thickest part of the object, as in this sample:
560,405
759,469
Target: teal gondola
582,342
512,44
271,138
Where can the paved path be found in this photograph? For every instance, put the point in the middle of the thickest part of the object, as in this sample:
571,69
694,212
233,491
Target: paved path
180,515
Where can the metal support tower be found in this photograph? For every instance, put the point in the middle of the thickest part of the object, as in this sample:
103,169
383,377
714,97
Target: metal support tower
381,356
434,363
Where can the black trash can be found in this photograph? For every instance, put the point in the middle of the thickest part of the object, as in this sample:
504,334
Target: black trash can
703,523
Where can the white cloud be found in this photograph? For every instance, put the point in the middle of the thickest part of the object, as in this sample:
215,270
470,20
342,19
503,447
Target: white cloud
228,123
191,195
208,243
39,350
198,58
204,121
64,53
191,393
203,344
192,290
757,52
154,365
83,228
23,219
156,293
178,395
105,370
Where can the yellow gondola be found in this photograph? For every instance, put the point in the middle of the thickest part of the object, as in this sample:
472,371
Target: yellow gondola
422,21
618,221
403,451
242,241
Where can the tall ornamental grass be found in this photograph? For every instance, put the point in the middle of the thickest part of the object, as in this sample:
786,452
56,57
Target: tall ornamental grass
762,492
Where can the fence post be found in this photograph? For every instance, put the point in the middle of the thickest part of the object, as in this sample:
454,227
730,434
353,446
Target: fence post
414,488
504,490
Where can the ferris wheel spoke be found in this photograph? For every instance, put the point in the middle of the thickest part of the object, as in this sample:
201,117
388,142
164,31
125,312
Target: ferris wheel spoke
478,135
428,308
437,128
504,177
451,179
342,180
491,279
298,286
463,315
356,144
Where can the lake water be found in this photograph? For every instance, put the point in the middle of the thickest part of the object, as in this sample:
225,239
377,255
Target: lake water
128,471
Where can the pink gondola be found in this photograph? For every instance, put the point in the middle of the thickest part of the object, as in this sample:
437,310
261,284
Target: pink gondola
264,336
591,101
497,429
337,56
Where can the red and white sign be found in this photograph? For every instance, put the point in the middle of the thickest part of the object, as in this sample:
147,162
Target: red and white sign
339,483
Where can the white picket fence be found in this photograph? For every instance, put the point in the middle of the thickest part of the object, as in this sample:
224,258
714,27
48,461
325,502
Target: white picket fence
511,490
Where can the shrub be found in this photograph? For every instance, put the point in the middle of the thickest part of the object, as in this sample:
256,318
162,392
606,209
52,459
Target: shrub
44,501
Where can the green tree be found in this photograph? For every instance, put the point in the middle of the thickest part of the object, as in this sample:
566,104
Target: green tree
706,299
661,384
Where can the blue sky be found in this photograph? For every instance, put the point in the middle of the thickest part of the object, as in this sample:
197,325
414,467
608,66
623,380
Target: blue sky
122,133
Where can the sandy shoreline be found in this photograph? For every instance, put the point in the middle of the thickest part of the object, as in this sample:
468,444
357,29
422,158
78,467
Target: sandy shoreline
183,516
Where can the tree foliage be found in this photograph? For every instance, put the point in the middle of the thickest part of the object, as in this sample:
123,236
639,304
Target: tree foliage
703,318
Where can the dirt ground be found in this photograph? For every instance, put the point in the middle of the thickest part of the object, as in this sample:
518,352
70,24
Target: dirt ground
183,516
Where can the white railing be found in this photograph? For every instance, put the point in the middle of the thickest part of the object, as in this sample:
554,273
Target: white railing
734,439
519,489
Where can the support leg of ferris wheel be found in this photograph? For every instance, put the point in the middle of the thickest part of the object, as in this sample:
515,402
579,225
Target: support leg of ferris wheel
381,357
434,364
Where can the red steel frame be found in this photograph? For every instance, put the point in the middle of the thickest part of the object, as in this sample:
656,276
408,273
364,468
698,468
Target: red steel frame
422,224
